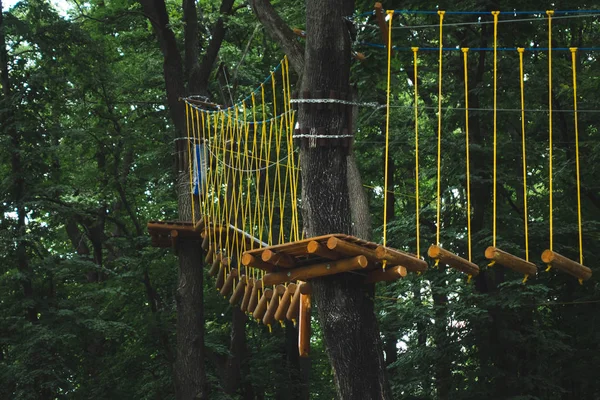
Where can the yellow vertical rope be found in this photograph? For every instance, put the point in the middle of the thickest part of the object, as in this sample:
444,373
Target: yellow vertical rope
495,124
190,160
439,143
417,201
521,50
390,14
550,13
574,68
465,52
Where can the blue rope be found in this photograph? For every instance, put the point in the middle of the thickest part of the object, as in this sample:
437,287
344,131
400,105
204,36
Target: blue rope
397,48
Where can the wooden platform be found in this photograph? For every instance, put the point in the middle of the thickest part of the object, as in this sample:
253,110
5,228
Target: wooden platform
166,233
327,255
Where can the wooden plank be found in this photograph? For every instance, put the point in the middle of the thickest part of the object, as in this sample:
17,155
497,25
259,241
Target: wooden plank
452,260
313,271
397,257
389,274
508,260
566,265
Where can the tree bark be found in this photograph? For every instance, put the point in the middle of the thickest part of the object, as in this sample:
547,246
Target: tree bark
344,304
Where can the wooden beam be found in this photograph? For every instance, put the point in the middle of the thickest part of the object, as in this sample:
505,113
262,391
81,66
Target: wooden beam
250,261
390,274
397,257
304,326
351,249
278,259
566,265
316,270
284,302
452,260
508,260
314,247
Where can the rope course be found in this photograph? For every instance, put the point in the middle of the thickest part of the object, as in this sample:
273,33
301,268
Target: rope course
244,183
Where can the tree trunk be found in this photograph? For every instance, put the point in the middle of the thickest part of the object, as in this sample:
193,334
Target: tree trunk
344,303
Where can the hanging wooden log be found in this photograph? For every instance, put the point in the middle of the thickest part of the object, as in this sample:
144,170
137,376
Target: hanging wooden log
452,260
566,265
199,226
294,309
174,241
250,261
228,285
247,295
220,277
205,241
397,257
389,274
316,270
285,301
254,296
350,249
314,247
304,326
261,307
238,293
508,260
210,254
278,259
269,317
215,265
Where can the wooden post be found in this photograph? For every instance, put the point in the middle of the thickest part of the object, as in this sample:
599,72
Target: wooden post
314,247
510,261
261,307
239,291
383,26
228,285
304,326
247,295
313,271
269,316
566,265
250,261
452,260
278,259
397,257
254,295
390,274
284,303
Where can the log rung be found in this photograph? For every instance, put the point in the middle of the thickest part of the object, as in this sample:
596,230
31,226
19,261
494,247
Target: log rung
567,265
452,260
510,261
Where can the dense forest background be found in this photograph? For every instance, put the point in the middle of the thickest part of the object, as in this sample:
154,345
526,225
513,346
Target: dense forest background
88,307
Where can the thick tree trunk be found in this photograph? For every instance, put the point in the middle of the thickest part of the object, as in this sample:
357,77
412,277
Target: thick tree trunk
344,304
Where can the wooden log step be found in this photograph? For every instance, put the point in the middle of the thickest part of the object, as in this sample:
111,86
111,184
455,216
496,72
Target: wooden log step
452,260
316,248
397,257
239,291
174,240
294,309
278,259
261,307
269,317
254,295
247,295
214,269
350,249
316,270
508,260
253,262
304,325
228,285
210,254
220,277
566,265
285,301
205,241
389,274
200,225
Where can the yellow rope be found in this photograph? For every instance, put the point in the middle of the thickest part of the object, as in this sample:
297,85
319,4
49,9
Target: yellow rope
495,124
417,204
550,13
574,68
521,50
439,141
390,14
465,56
190,160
